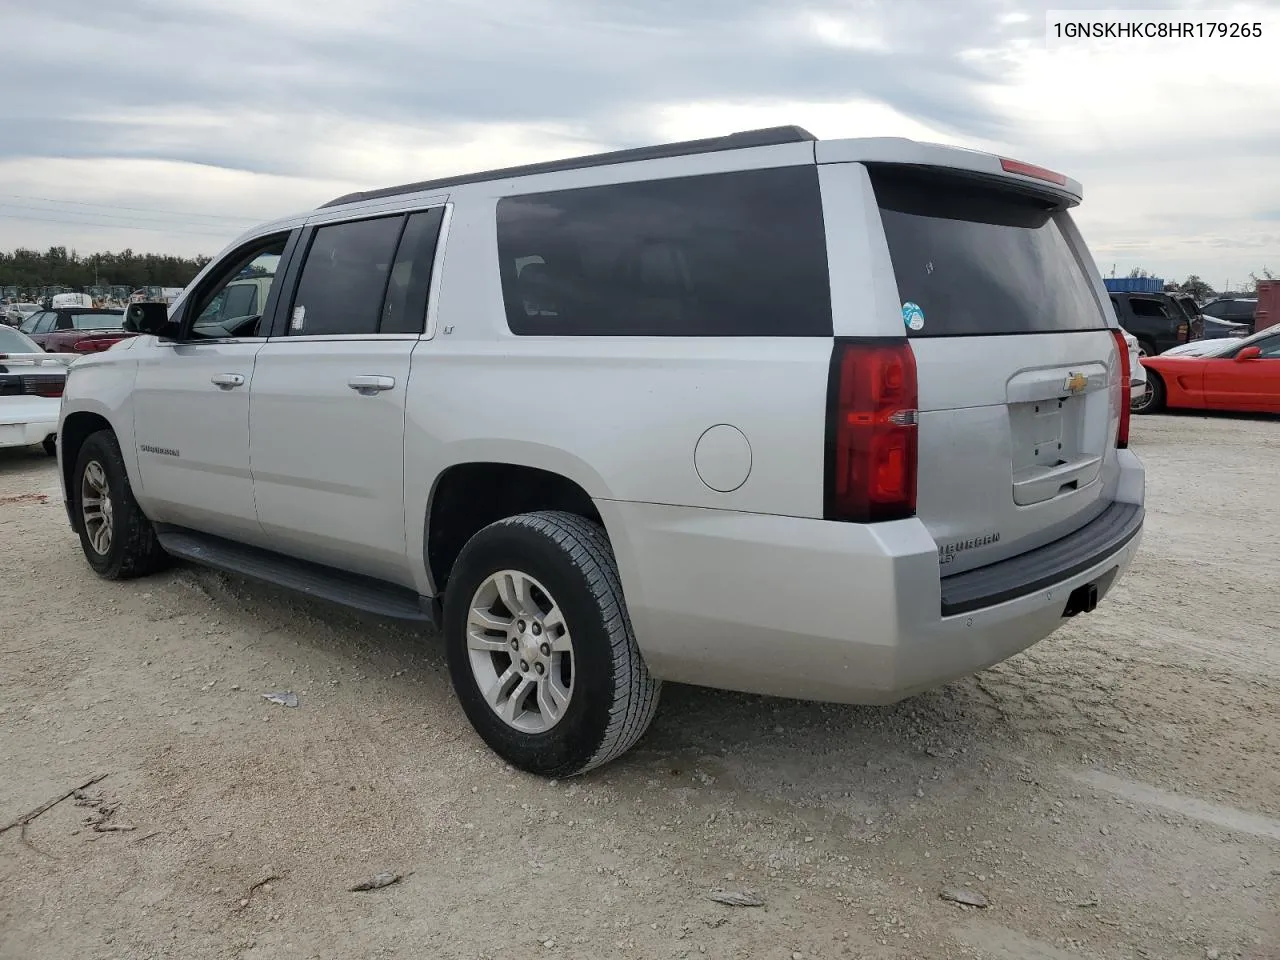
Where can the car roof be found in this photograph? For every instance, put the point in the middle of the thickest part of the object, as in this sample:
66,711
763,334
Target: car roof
768,137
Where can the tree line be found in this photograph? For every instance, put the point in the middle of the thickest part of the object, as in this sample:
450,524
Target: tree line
1201,290
60,267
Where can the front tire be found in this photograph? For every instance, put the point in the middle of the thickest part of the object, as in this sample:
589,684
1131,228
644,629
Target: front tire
541,650
1153,397
117,538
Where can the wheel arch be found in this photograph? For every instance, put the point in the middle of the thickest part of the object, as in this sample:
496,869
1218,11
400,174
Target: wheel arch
469,495
76,428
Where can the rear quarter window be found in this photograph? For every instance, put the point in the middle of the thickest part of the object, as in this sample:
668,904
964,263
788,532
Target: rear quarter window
980,260
721,255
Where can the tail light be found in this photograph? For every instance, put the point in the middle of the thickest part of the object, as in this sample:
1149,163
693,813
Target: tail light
43,386
872,433
1121,395
96,345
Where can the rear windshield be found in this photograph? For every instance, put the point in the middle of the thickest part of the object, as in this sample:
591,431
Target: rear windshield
97,321
973,260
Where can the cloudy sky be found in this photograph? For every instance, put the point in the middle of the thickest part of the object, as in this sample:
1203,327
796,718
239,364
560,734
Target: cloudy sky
169,125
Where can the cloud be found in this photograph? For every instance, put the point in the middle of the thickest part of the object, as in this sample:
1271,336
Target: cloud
182,108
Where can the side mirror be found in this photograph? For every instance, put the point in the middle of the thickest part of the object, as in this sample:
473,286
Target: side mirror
1248,353
152,318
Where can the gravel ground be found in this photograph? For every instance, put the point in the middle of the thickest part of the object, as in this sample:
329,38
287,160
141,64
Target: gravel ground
1113,793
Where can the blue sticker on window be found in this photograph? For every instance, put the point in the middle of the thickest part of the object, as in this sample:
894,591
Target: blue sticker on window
912,316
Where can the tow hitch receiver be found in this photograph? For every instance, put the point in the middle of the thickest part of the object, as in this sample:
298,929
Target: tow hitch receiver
1083,599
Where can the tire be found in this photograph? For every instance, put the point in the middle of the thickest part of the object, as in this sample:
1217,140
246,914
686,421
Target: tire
1146,348
50,444
1152,399
129,549
568,566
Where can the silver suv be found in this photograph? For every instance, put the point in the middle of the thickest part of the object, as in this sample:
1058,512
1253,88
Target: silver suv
839,420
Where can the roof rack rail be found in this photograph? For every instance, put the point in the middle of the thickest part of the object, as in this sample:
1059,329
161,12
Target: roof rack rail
767,137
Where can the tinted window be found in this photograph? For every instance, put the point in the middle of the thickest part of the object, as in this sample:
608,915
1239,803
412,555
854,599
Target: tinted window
1241,310
1149,308
406,301
240,301
29,325
1215,309
48,322
723,255
980,260
1270,347
97,321
344,278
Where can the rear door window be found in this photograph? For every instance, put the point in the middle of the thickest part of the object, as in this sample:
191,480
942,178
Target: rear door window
720,255
1149,308
972,259
344,278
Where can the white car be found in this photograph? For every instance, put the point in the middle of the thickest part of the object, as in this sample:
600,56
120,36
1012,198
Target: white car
1137,372
756,412
31,385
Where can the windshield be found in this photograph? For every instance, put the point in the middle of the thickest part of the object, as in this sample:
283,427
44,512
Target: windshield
1232,344
12,341
97,321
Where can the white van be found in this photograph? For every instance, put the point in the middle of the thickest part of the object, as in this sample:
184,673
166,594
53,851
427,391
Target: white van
70,301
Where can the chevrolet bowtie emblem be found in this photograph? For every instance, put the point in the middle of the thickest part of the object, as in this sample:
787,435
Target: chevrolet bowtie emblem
1075,383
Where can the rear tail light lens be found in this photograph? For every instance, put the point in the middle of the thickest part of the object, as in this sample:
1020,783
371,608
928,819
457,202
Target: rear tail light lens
96,345
872,417
44,386
1120,396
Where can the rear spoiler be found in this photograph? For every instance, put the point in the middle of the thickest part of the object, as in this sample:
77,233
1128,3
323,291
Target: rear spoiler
40,359
900,151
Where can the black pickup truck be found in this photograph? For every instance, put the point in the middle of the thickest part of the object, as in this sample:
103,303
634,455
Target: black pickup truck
1158,320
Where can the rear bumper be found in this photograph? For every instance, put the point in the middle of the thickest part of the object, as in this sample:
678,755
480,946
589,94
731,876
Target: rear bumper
29,421
803,608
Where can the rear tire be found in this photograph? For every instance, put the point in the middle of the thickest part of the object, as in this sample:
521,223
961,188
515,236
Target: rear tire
50,444
541,650
1146,348
1153,397
117,538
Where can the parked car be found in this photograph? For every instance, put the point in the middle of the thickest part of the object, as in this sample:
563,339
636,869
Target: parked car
1229,374
76,330
632,428
1234,309
1156,319
31,384
1137,372
15,313
1215,328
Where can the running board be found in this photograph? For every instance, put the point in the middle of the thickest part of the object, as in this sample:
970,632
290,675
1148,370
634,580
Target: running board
301,576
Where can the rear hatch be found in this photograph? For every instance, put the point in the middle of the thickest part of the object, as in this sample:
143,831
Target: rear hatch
1016,363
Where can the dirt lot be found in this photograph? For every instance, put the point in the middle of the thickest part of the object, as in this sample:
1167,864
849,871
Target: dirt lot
1114,793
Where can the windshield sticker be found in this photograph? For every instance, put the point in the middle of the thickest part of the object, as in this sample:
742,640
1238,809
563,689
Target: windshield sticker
912,316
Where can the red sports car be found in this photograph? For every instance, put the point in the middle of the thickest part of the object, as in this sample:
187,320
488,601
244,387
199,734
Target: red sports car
1225,374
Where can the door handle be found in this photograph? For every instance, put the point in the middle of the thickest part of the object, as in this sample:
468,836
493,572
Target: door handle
227,381
368,386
